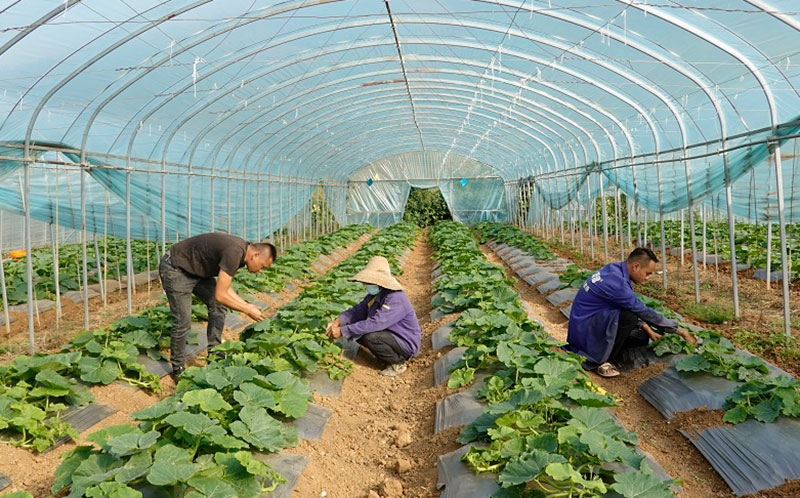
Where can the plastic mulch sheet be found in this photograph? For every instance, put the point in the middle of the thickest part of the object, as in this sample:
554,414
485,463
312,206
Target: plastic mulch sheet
564,296
531,270
752,456
82,419
437,314
710,259
460,408
639,357
459,481
672,391
161,368
512,254
321,383
566,311
5,482
312,424
288,465
541,277
441,367
436,273
235,321
774,276
11,319
550,286
441,336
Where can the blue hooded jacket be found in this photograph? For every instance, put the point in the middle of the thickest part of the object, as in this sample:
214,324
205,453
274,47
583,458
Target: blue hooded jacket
595,312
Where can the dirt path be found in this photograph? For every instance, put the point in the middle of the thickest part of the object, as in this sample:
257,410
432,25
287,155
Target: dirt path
656,435
34,472
380,439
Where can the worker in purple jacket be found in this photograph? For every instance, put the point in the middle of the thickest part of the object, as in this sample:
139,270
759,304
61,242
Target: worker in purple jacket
384,321
607,317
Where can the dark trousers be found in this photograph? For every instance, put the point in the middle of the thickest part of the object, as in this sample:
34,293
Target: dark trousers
629,335
179,287
383,346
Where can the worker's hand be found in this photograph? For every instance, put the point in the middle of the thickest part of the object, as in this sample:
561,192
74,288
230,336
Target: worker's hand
335,331
687,336
652,333
330,325
255,313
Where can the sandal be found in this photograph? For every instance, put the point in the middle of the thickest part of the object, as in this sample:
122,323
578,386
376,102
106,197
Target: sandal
607,370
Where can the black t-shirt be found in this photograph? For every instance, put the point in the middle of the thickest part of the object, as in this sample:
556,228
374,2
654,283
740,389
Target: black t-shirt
204,255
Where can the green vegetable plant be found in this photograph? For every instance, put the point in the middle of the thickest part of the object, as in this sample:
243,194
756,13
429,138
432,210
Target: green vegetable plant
544,430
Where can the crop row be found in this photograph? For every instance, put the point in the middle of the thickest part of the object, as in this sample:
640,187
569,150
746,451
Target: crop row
200,442
35,391
761,396
109,251
544,430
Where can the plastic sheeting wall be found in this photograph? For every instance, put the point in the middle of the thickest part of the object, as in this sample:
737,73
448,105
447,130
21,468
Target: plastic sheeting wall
247,206
472,191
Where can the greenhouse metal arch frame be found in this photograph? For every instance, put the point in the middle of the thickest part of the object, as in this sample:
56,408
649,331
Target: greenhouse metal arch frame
277,148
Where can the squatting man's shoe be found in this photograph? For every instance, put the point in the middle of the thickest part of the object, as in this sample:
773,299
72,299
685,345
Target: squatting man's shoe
394,370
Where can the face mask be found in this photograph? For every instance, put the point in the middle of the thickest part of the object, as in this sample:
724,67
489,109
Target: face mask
373,290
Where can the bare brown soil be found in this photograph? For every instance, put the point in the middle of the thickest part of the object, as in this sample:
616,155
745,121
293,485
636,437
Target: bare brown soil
382,428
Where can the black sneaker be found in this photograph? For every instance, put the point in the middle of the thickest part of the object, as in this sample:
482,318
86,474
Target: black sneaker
176,373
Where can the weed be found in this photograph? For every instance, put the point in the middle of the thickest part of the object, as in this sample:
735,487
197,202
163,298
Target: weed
708,312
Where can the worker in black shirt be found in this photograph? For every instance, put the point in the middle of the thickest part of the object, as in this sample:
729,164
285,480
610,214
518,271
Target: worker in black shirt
190,266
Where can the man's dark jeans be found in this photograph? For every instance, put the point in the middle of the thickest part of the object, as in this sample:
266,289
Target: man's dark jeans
629,335
384,347
179,287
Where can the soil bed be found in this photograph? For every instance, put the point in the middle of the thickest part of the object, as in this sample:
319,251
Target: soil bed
381,433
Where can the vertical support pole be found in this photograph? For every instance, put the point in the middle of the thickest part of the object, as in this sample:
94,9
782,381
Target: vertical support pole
212,221
620,235
105,250
682,238
258,210
128,253
704,221
99,269
731,228
189,202
589,217
84,262
605,221
782,233
769,251
692,235
56,279
3,281
244,210
163,206
661,223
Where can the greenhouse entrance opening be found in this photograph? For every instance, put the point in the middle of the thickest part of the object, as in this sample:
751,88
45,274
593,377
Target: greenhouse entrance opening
426,206
474,192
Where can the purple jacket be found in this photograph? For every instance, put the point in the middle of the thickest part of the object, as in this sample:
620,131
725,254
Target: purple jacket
390,311
594,318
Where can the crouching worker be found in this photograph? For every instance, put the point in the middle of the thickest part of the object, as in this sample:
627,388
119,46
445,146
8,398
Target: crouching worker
384,321
607,318
190,267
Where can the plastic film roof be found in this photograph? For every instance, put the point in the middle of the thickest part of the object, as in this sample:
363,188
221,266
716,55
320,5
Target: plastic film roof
320,89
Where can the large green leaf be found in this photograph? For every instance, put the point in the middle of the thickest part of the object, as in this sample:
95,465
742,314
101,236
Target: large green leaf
250,394
527,468
97,371
132,442
259,429
196,424
641,485
135,467
210,487
171,466
208,400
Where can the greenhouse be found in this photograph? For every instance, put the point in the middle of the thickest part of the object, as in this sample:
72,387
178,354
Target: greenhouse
583,218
